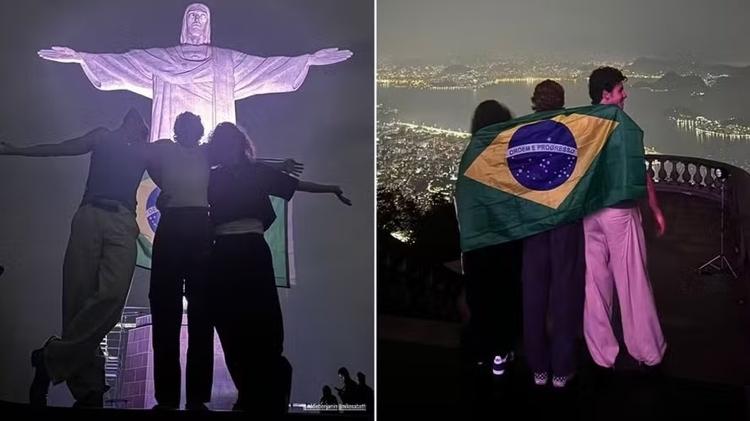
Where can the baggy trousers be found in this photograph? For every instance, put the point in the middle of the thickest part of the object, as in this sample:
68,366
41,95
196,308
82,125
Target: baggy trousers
182,247
246,308
616,259
97,273
553,288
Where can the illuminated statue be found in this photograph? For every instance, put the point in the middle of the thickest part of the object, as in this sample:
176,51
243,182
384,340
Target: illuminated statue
194,76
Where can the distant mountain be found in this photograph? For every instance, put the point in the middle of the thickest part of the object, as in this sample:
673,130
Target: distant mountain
725,101
673,82
647,65
738,84
730,96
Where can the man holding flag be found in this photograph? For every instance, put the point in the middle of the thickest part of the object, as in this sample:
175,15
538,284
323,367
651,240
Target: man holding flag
616,259
553,280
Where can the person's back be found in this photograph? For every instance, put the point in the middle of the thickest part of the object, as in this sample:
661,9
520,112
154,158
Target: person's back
181,168
492,282
115,171
179,265
243,297
242,192
365,392
615,261
184,175
347,393
552,280
99,258
328,398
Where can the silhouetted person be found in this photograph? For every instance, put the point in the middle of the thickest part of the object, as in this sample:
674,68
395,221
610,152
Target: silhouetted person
2,270
492,278
328,398
487,113
553,282
347,393
182,247
99,259
243,295
365,393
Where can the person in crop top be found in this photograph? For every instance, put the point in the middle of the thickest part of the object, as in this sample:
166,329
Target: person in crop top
243,298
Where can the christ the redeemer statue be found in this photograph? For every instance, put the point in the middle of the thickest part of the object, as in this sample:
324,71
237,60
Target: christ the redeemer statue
194,76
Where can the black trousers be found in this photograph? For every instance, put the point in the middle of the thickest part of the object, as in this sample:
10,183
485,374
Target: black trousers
554,269
493,294
181,253
245,306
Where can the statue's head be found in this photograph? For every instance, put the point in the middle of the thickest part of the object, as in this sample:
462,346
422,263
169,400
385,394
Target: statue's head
196,25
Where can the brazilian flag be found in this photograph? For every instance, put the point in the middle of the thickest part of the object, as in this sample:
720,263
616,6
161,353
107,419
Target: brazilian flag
278,235
530,174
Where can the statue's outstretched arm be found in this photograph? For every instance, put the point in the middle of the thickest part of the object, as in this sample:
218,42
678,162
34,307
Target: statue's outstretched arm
329,56
60,55
130,71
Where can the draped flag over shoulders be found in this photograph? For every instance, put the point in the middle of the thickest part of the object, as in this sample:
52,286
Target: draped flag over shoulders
530,174
278,234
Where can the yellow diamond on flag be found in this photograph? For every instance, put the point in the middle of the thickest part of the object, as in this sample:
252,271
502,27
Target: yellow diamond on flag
542,161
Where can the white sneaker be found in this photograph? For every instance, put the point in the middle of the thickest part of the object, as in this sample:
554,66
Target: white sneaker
499,363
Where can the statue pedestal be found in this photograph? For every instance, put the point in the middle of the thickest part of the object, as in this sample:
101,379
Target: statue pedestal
137,388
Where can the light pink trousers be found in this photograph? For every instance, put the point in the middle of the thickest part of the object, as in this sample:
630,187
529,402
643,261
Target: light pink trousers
616,260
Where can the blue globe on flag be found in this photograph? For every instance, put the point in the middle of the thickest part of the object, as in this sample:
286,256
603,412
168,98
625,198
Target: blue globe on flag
152,212
542,155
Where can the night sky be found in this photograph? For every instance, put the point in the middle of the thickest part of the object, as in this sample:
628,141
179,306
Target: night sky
714,31
327,124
